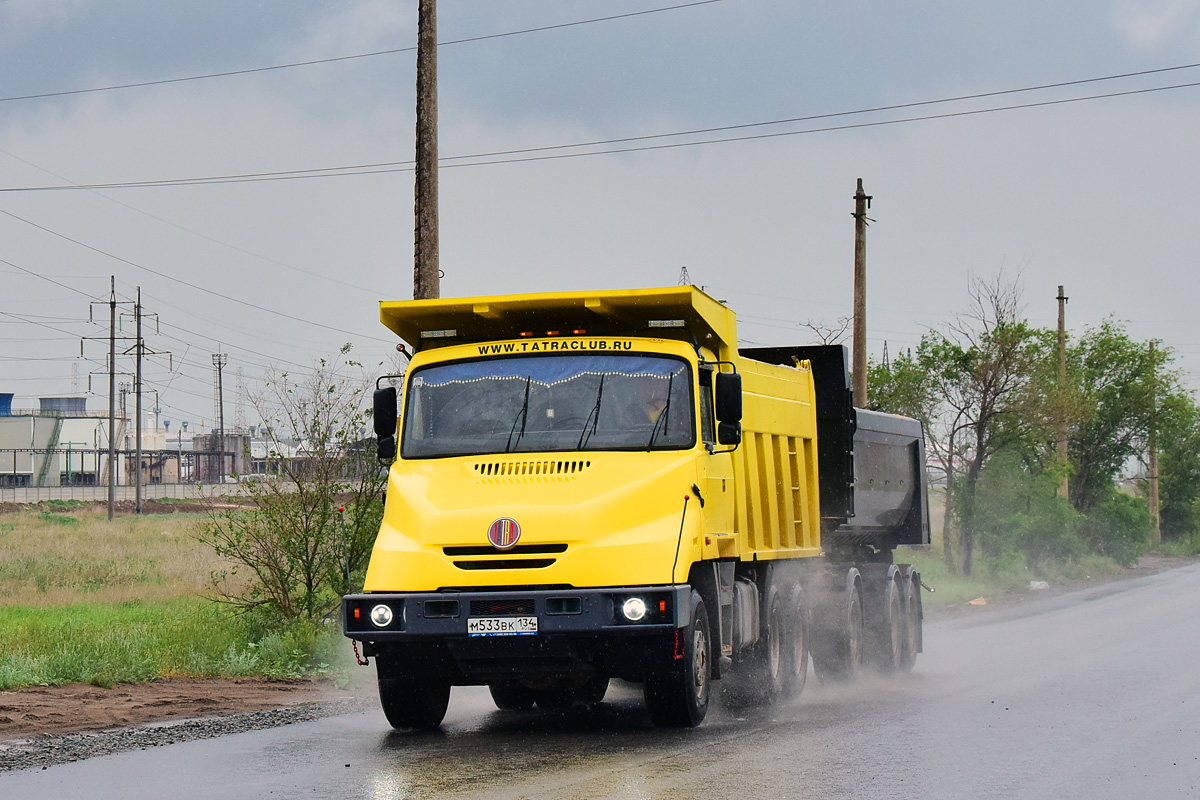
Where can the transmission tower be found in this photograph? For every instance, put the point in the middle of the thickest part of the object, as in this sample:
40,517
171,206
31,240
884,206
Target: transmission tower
684,278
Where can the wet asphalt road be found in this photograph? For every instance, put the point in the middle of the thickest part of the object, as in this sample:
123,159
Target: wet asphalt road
1089,695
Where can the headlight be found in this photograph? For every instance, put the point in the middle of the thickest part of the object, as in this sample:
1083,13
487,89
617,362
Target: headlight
381,616
634,609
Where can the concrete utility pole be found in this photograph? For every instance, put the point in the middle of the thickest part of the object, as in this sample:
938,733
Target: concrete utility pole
426,270
1152,445
862,202
1063,488
137,388
112,397
219,360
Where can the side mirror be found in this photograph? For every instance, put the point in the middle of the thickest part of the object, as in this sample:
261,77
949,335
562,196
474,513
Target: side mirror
729,433
729,398
384,413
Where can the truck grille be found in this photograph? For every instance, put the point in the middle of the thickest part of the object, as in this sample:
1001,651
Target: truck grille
502,608
506,563
519,550
530,471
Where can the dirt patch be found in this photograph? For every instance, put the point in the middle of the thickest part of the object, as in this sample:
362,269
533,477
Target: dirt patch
35,710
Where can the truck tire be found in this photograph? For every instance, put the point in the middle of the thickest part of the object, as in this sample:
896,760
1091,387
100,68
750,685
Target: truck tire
910,596
592,694
677,695
511,696
887,628
413,703
762,677
838,650
796,649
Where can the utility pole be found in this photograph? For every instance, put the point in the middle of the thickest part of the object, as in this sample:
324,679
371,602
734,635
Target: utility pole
219,360
112,396
862,202
1152,444
137,388
1063,456
426,270
111,370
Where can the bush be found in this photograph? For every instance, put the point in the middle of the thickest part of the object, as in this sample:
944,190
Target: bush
1119,527
1018,516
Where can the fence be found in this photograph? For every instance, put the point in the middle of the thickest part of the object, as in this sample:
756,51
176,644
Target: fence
99,494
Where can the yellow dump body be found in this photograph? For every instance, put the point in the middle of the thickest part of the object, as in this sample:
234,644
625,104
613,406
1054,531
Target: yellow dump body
511,425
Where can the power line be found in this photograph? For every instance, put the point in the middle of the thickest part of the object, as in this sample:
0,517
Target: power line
335,59
549,151
183,282
206,237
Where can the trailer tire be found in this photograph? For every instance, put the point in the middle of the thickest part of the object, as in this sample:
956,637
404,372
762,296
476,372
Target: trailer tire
511,696
838,654
677,696
413,703
887,630
910,597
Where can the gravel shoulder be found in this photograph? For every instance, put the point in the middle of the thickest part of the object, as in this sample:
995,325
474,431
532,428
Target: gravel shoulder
45,725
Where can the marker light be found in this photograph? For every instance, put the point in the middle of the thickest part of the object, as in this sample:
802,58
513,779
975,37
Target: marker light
634,609
381,616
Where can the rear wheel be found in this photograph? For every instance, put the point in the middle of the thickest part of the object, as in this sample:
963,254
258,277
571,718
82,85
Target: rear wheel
593,691
764,674
511,696
911,604
838,654
557,698
887,629
796,650
677,696
413,702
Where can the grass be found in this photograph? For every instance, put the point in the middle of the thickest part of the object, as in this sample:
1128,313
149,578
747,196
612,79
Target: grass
50,559
83,600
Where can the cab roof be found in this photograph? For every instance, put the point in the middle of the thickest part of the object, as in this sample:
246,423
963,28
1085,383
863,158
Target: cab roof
629,312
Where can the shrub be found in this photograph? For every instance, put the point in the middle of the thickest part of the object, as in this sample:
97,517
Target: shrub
1119,528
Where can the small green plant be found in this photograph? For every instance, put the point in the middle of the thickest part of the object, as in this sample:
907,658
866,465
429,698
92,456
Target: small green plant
61,520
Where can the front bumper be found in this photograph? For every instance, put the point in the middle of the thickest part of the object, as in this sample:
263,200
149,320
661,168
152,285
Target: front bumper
580,632
436,615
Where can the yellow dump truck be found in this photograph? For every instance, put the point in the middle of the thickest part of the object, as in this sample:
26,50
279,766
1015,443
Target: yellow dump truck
598,485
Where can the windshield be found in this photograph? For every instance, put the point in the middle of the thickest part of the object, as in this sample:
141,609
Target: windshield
549,403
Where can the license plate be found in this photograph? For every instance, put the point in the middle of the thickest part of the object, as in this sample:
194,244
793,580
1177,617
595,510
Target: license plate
502,626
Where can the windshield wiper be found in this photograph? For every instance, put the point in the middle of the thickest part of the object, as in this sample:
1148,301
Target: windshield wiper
593,417
661,422
522,416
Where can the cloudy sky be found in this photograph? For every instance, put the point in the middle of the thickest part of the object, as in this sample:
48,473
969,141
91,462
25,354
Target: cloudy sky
1099,195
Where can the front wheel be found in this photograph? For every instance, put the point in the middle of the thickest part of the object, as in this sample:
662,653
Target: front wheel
677,696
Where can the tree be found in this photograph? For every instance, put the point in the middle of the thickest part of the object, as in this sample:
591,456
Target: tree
1118,381
290,542
1179,465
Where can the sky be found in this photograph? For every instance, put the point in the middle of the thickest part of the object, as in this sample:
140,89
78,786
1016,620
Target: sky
1097,195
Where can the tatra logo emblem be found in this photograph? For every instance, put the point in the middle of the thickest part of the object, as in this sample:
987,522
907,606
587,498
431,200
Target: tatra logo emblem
504,533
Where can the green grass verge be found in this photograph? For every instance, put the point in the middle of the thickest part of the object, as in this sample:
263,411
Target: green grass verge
104,644
990,579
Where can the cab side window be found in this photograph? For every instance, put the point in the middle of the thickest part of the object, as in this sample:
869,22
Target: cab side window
707,426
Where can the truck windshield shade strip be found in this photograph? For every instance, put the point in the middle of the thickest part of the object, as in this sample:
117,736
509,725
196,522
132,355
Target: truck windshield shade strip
469,407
